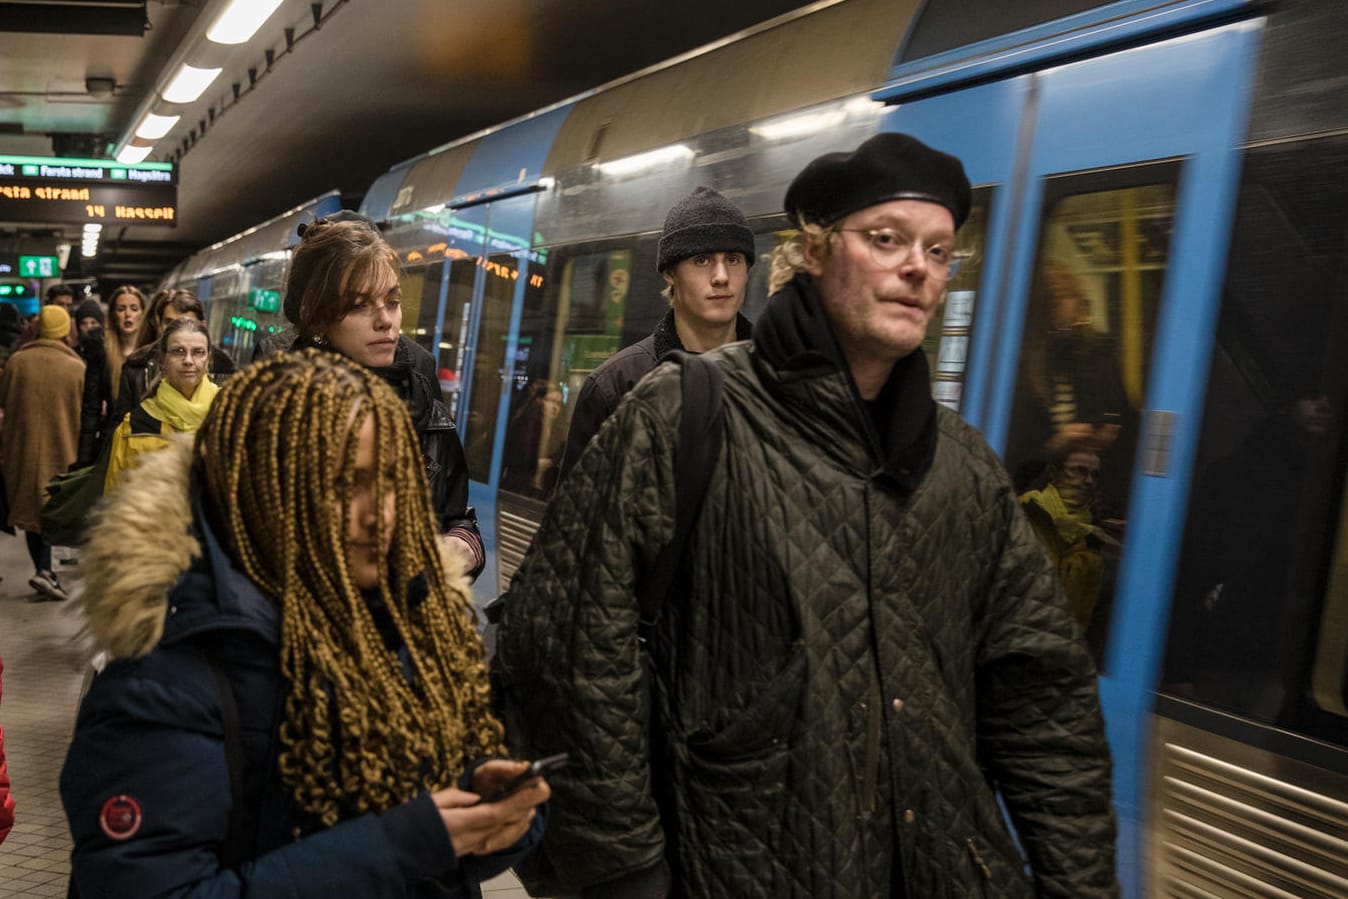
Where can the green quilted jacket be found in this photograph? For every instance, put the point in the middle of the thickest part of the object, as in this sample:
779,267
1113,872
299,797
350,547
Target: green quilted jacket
856,669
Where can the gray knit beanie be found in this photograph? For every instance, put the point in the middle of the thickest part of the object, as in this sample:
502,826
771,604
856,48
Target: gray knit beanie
704,222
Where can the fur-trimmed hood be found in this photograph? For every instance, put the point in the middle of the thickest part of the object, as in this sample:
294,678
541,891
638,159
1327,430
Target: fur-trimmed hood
137,548
154,571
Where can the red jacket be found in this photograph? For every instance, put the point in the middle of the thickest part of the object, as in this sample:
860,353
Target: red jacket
6,800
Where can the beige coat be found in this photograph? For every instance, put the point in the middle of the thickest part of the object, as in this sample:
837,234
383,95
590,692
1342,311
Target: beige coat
40,392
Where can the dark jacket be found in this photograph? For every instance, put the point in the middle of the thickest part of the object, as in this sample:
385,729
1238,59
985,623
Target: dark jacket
151,729
618,374
871,647
414,377
97,401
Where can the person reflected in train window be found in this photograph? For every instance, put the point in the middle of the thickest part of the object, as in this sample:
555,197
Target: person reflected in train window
534,441
866,647
1065,516
141,368
103,373
1071,390
1230,645
177,404
705,251
297,703
342,294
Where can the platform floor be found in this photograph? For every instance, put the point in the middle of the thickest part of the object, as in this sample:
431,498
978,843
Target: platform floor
44,668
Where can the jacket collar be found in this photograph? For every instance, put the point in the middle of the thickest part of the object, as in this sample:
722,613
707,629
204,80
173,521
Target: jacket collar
894,436
667,336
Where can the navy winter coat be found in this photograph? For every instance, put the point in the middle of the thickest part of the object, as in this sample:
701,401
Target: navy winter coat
146,785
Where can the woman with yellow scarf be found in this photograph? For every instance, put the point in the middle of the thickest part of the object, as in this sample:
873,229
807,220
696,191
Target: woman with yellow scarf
177,405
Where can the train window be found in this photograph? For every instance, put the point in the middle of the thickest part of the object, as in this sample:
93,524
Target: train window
947,341
1260,604
490,368
564,334
1104,243
421,303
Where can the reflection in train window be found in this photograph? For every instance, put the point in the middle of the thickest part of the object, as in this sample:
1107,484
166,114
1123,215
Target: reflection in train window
565,333
947,341
421,303
490,367
1104,244
449,350
1260,608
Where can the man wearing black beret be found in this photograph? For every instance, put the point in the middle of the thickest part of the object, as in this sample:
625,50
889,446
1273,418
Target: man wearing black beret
870,648
705,251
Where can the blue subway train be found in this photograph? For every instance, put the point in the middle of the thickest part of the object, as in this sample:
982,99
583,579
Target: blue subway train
1165,179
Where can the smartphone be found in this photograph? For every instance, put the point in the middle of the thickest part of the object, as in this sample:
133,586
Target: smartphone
539,768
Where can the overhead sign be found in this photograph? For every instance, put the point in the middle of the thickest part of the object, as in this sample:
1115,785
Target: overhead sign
39,267
54,168
82,191
265,300
72,203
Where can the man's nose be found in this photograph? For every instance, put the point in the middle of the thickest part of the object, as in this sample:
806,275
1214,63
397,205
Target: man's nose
720,272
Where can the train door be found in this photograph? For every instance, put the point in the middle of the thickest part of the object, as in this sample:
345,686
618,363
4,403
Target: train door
1091,340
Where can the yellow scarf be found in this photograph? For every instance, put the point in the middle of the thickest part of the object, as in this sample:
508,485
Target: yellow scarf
182,414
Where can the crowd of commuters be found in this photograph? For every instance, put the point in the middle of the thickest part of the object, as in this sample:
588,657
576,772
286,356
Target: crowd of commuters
867,679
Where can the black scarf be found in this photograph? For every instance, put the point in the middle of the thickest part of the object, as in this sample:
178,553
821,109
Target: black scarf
794,334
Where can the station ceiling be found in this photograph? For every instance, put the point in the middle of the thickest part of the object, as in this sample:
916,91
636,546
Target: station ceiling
327,95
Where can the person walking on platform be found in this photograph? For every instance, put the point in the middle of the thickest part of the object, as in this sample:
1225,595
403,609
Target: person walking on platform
141,367
297,703
343,294
40,391
704,256
867,646
102,376
62,295
178,404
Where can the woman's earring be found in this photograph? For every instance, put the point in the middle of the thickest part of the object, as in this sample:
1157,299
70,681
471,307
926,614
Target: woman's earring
318,340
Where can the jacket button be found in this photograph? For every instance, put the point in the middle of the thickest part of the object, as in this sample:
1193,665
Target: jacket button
909,816
173,610
898,705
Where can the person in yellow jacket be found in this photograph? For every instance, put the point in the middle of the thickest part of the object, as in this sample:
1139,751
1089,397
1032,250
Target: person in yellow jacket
177,405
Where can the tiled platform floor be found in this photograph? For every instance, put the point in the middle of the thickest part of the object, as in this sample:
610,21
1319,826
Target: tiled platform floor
44,667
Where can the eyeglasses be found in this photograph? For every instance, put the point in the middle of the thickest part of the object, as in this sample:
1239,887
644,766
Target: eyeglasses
181,352
889,248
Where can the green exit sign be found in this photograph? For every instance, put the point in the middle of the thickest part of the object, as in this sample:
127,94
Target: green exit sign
265,300
39,267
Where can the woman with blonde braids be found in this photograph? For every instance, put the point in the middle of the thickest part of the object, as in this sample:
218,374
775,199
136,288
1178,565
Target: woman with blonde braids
299,574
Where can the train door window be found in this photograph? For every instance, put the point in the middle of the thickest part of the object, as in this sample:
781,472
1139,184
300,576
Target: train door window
453,342
769,234
565,333
421,303
1260,609
1100,264
266,284
491,369
947,341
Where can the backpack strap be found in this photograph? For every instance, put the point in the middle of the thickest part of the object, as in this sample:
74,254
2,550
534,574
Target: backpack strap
231,851
701,432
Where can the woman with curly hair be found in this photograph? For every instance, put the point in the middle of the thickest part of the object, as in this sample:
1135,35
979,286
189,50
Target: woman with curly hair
299,703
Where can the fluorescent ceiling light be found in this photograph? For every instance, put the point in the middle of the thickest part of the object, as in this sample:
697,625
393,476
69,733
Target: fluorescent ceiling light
189,84
94,227
641,161
131,154
241,20
799,125
153,127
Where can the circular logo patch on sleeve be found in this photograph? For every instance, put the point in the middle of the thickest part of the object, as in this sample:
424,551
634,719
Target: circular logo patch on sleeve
120,817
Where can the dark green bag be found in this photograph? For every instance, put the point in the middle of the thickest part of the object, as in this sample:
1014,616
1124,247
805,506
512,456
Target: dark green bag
71,497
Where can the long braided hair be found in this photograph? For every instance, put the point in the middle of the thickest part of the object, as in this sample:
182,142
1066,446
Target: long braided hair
276,457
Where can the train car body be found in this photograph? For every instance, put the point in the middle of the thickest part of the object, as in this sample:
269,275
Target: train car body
1181,166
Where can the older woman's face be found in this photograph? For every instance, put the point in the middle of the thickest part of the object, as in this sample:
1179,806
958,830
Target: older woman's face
368,333
185,361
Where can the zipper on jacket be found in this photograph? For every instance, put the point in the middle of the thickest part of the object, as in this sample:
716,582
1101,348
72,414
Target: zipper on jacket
978,860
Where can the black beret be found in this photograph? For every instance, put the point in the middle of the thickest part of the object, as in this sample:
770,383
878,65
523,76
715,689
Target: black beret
704,222
887,167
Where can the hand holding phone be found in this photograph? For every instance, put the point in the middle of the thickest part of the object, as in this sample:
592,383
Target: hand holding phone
538,768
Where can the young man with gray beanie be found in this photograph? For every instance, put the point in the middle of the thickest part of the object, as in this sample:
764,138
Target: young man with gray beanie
870,649
706,249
